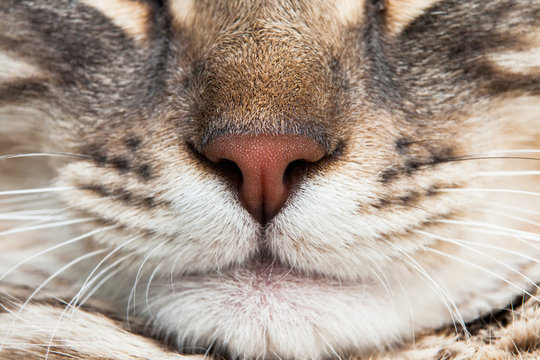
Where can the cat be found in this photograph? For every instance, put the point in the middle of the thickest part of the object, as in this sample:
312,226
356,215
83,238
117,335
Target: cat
265,179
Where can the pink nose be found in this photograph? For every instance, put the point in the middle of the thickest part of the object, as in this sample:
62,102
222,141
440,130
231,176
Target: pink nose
265,162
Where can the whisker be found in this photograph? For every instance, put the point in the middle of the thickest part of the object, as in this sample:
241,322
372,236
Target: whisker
132,294
105,279
34,211
441,253
411,311
36,191
451,241
507,173
21,217
503,214
33,205
44,283
443,293
488,190
101,262
514,208
98,276
146,295
73,304
514,151
332,350
27,198
57,211
526,234
178,255
52,248
44,154
499,248
46,226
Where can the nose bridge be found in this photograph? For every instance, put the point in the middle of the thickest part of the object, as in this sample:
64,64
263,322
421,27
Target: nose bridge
258,82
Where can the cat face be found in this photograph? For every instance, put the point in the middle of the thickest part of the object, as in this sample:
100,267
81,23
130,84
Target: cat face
291,179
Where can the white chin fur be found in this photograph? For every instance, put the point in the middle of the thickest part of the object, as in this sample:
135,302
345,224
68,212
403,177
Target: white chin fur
255,314
259,316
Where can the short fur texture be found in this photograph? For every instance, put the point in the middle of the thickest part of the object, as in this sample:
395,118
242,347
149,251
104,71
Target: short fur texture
419,223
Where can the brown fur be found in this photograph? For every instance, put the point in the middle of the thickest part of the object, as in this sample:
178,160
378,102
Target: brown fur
409,99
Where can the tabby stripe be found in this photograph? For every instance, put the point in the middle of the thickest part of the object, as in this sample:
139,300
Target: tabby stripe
399,13
22,90
133,17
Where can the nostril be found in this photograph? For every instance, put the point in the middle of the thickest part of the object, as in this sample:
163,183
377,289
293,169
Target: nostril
229,170
294,172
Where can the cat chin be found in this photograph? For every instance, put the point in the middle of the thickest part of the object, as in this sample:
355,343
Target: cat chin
261,313
258,313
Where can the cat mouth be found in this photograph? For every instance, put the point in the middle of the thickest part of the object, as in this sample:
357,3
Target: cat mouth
267,270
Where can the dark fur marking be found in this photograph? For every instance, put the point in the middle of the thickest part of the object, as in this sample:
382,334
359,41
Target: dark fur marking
444,154
385,89
22,90
433,41
97,189
338,150
411,165
96,152
402,145
128,198
382,203
388,174
124,195
409,199
144,171
120,163
133,143
504,82
432,190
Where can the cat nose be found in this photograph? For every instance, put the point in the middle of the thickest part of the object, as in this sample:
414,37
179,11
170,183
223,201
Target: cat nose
270,166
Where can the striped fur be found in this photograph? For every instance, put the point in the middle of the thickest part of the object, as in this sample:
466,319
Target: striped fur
119,240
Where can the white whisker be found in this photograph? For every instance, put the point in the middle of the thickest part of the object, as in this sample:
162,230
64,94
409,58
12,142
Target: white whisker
503,214
461,244
443,293
146,295
488,190
515,208
44,154
44,283
499,229
88,282
34,212
483,270
27,198
507,173
102,272
513,151
104,280
499,248
105,258
37,204
52,248
16,217
132,294
46,226
36,191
